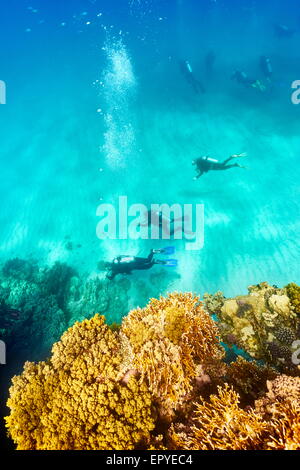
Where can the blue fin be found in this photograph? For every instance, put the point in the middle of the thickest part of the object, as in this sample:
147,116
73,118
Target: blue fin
172,263
169,250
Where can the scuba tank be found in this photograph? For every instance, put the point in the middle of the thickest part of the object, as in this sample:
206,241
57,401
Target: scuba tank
123,259
266,67
188,66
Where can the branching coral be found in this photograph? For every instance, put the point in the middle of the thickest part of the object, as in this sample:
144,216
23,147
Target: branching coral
222,424
249,379
171,342
77,399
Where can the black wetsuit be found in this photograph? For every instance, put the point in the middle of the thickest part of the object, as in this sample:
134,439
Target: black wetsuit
190,77
204,164
243,79
126,264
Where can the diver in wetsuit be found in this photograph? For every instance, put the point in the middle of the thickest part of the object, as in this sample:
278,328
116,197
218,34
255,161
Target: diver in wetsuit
266,67
206,164
127,264
243,79
188,73
283,31
162,221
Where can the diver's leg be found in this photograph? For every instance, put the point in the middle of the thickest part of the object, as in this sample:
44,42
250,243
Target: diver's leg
234,165
150,257
199,175
144,266
227,160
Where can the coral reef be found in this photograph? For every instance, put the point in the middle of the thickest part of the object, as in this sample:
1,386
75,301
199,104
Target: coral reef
37,304
158,380
262,323
21,269
97,295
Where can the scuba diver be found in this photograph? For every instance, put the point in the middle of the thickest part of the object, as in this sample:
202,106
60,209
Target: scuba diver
126,264
188,73
243,79
266,67
167,224
283,31
205,164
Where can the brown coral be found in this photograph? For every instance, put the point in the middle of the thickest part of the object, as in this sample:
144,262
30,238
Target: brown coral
249,379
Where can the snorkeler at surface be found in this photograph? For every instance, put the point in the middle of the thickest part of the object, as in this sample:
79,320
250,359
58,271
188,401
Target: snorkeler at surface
243,79
126,264
206,164
188,73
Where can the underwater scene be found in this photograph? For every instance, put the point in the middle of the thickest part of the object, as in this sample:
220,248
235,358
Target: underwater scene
149,225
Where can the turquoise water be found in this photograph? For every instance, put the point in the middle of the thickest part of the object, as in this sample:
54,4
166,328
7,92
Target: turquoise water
97,108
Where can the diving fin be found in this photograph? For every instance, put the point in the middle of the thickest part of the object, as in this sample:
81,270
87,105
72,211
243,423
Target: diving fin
169,250
171,263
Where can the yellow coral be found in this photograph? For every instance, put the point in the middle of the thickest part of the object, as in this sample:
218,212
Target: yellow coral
167,341
285,427
222,424
76,400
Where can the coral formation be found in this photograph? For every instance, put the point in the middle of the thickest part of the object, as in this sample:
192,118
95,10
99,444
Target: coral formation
158,380
262,323
293,293
280,407
249,379
77,399
37,304
222,424
172,342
